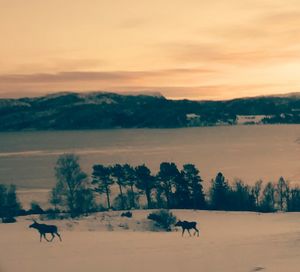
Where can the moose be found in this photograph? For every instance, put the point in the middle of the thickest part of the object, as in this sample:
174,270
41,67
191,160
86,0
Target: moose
43,229
186,225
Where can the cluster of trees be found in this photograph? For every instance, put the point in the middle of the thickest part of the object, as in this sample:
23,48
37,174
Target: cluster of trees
9,204
169,188
242,197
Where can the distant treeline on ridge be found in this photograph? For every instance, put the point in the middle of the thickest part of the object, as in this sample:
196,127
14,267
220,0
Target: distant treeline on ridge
99,110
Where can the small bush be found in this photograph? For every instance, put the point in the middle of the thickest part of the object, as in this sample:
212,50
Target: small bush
7,220
163,218
109,227
21,212
124,226
126,214
50,214
35,208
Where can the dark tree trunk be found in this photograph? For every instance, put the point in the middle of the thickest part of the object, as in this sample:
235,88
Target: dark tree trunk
122,197
132,197
148,196
107,197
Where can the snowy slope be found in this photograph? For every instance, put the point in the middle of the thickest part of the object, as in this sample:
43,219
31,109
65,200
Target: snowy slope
228,242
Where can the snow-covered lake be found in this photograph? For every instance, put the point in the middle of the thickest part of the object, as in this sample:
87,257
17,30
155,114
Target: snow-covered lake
248,152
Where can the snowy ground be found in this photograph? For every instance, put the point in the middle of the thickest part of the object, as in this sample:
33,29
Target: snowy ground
228,242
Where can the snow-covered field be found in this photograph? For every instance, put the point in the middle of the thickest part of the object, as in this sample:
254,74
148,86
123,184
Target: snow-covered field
228,242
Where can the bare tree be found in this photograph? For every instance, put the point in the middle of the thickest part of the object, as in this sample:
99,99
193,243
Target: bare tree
256,189
70,179
282,192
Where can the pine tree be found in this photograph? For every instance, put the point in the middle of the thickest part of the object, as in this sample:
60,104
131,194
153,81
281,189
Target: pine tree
3,193
102,181
130,177
268,198
12,203
9,203
119,176
293,203
192,177
182,195
84,201
242,198
145,182
219,194
167,176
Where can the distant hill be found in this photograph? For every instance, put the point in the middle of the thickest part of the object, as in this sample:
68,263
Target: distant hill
100,110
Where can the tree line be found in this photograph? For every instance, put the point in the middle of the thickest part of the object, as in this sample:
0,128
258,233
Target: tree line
171,188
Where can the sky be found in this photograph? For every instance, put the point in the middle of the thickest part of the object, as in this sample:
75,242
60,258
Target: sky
195,49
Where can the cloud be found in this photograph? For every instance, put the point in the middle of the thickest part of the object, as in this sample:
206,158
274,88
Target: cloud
13,85
61,64
201,92
265,37
214,54
106,76
134,23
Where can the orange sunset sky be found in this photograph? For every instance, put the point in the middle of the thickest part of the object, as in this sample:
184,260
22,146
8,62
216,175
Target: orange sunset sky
192,49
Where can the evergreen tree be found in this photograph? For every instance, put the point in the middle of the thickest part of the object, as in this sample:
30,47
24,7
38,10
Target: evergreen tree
130,177
85,201
167,176
160,200
13,205
145,182
220,193
268,198
3,193
293,203
102,181
191,175
241,197
9,203
119,176
182,195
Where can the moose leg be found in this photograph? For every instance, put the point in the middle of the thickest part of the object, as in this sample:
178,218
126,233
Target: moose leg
189,232
44,234
40,237
52,237
197,231
58,235
183,230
